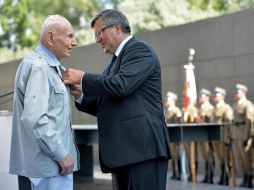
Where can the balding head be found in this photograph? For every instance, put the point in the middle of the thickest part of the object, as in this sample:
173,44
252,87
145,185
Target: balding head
53,22
58,36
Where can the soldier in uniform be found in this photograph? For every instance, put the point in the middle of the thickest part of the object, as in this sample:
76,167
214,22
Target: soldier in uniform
173,115
223,113
190,115
242,132
205,113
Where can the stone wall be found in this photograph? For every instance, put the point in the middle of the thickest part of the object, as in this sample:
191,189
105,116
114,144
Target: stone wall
224,56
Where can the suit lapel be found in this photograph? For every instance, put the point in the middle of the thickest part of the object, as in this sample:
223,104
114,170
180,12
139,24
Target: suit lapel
109,67
114,68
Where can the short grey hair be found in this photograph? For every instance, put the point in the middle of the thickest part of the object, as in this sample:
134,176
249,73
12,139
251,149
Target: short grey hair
111,17
50,22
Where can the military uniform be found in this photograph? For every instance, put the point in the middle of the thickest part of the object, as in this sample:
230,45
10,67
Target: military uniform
190,115
205,113
173,115
243,131
223,113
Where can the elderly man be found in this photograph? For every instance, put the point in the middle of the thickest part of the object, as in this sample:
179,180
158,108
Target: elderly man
127,101
42,146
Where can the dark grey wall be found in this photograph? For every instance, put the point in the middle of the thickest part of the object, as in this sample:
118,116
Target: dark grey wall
224,56
224,52
7,77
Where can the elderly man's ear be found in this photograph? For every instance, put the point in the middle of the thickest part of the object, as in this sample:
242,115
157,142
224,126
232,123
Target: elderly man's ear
50,38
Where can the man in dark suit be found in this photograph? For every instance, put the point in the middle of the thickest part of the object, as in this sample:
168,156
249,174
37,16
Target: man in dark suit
127,101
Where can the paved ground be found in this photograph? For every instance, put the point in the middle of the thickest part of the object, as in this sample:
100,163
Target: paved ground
171,185
103,182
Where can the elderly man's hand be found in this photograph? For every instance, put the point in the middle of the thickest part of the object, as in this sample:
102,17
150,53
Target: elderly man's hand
72,76
76,91
67,165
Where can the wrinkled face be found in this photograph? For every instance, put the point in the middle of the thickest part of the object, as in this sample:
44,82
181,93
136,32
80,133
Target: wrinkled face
106,36
63,40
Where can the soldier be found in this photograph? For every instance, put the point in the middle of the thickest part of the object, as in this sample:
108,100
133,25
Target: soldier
205,112
223,113
173,115
242,132
190,115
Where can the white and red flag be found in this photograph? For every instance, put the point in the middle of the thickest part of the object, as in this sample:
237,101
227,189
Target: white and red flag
190,98
190,91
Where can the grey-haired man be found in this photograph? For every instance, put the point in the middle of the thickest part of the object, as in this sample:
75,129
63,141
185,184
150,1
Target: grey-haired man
42,146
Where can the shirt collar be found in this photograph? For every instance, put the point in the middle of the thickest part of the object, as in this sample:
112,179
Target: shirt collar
50,54
171,107
220,104
204,105
243,99
120,47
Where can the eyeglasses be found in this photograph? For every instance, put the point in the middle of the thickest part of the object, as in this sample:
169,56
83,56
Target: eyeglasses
99,32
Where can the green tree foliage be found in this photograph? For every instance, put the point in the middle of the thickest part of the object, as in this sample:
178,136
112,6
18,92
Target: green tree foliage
20,20
222,5
153,14
13,17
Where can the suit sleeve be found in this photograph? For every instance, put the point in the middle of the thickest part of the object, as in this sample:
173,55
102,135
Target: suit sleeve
88,105
137,64
35,118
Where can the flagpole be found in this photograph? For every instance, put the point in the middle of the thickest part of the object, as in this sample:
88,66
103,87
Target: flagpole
190,97
193,144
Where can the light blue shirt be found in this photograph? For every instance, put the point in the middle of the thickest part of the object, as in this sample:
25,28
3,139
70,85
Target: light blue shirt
51,55
41,128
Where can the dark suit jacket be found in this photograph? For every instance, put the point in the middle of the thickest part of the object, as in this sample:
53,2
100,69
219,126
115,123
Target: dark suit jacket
128,105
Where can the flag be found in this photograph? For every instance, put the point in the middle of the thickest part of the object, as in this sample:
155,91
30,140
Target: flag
190,91
190,97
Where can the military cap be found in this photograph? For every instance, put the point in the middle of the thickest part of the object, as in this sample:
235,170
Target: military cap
219,91
205,92
171,96
240,87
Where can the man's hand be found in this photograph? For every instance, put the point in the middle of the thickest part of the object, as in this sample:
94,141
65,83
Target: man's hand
249,143
76,91
72,76
245,142
67,165
199,119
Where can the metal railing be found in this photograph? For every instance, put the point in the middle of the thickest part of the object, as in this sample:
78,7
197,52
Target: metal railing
6,94
5,98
